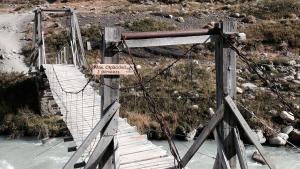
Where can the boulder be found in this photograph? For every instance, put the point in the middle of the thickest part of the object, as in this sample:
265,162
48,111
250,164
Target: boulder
288,116
273,112
239,90
195,107
287,130
292,62
260,136
1,57
289,78
236,15
258,158
249,19
298,76
179,19
190,135
279,139
249,86
295,136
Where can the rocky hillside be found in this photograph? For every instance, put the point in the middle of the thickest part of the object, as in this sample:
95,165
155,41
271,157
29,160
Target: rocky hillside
185,92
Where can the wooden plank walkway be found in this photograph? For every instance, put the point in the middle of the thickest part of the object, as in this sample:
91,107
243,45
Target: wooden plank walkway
81,112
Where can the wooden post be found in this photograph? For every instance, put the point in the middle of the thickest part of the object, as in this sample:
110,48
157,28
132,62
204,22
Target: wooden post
226,85
39,31
110,91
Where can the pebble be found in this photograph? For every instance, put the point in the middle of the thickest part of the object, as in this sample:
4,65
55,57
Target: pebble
287,129
179,19
288,116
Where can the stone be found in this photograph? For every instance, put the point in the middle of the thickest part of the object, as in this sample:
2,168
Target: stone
195,107
292,62
190,135
235,15
279,139
170,16
179,19
289,78
287,130
296,81
292,16
295,136
288,116
258,158
296,106
249,86
260,136
138,66
1,57
239,90
249,19
298,76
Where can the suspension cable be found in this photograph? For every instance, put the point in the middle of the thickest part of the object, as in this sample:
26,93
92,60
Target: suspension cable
152,103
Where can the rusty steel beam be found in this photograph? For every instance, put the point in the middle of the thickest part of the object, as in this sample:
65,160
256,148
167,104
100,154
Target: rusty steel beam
165,34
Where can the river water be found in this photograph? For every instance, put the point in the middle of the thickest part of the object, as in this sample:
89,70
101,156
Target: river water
32,154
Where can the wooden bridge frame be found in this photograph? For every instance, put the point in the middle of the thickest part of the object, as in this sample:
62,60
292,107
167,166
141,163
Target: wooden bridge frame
38,56
224,123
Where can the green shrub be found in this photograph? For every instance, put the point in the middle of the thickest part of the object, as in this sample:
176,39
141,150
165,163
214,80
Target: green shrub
274,33
145,25
278,8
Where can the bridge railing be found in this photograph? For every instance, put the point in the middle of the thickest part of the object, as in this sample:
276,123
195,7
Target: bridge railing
72,53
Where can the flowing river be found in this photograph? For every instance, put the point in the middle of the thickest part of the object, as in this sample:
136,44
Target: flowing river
32,154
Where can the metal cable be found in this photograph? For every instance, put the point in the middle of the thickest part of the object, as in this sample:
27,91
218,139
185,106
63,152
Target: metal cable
266,79
266,125
152,104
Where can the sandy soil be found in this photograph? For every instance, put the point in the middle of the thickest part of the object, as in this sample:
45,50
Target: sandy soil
11,28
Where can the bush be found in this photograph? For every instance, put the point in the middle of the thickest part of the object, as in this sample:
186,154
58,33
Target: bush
278,8
146,25
274,33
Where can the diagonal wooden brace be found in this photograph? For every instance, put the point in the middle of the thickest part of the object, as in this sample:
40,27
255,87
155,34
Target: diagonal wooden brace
202,137
240,149
101,146
248,130
93,134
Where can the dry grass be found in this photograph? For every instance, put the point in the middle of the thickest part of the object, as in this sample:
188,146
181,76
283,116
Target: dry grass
274,32
146,25
26,123
174,94
270,9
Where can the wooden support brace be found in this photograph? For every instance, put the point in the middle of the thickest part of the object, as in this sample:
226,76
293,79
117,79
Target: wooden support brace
101,147
110,112
202,137
248,131
220,158
240,148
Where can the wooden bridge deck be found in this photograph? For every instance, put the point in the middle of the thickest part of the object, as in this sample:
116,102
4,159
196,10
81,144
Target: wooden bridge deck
81,112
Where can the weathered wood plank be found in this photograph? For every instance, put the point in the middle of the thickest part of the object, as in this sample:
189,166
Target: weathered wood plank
202,137
240,149
248,131
167,41
92,135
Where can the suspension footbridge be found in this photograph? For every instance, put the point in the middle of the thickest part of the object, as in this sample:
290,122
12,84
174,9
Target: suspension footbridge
103,139
81,112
